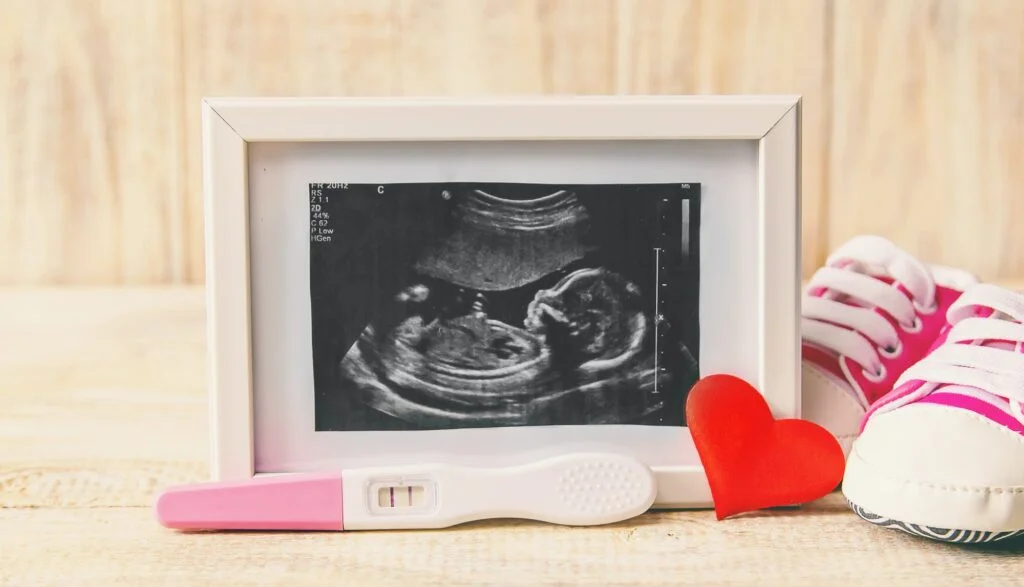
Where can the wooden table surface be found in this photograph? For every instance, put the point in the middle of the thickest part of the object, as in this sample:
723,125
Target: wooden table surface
102,403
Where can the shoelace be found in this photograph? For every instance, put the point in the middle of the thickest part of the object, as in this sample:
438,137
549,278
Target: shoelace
997,371
857,331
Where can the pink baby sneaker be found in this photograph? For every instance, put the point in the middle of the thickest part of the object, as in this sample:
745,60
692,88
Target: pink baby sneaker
942,455
868,314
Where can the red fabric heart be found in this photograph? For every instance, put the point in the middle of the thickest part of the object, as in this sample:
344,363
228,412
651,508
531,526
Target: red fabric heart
753,461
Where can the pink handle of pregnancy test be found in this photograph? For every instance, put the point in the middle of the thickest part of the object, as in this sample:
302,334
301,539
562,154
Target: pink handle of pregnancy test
277,502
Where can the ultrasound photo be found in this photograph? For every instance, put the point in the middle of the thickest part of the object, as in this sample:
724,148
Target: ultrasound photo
473,305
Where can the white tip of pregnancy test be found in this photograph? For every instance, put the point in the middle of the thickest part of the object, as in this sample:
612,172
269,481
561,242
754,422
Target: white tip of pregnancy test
587,489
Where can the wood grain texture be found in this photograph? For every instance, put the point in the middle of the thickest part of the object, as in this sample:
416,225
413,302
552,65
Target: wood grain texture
91,189
928,134
104,405
821,546
103,395
914,110
113,90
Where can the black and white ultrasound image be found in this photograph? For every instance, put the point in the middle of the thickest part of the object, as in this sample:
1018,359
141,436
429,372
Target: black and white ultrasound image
474,305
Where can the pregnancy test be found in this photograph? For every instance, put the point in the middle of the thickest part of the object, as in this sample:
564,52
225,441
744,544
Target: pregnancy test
581,489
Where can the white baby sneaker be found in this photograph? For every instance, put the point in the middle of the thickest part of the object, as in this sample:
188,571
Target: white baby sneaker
870,313
942,455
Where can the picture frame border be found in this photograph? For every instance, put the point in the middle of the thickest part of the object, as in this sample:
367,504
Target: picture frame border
229,125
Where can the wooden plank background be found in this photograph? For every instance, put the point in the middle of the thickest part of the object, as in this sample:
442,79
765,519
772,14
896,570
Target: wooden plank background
914,109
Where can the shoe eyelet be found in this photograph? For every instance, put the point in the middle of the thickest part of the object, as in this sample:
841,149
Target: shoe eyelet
926,310
875,377
914,327
891,352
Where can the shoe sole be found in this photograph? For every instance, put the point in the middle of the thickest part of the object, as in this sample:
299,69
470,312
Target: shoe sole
926,511
932,533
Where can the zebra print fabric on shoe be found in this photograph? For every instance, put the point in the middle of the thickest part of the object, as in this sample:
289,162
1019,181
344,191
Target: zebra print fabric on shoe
939,534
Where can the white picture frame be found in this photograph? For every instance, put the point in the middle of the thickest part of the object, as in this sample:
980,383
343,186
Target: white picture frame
765,128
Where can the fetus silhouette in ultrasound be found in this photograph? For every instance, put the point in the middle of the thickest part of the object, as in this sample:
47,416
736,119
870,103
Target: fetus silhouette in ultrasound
528,305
